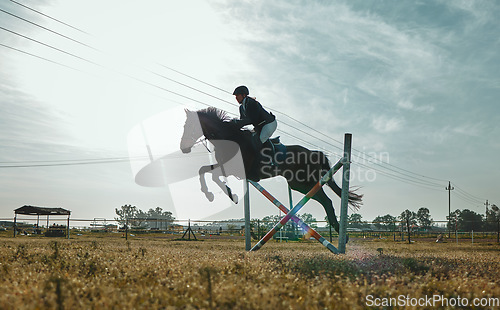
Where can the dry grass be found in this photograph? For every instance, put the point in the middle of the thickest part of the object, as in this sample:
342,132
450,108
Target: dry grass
150,274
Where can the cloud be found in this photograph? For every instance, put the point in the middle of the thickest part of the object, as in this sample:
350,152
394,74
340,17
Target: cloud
479,13
469,129
26,126
322,49
408,105
385,124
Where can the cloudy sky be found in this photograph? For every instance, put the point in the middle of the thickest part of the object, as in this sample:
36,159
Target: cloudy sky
87,84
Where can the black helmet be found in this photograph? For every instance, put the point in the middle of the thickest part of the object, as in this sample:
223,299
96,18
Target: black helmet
241,90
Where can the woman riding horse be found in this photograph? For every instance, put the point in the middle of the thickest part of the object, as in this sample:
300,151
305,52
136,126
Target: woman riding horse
302,169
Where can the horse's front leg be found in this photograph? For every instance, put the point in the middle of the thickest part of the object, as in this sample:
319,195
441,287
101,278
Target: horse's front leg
203,183
223,185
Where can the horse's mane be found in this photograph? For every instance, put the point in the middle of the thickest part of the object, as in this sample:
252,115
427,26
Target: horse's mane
221,119
214,114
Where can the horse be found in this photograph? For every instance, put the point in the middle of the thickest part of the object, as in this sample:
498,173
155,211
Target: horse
302,167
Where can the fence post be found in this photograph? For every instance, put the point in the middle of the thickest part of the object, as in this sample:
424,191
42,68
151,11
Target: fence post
258,228
248,240
408,227
345,192
402,231
126,229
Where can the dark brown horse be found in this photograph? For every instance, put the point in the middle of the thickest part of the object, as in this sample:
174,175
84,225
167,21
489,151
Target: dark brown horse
301,167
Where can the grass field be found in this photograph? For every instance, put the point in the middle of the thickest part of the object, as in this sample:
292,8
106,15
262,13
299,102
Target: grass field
112,273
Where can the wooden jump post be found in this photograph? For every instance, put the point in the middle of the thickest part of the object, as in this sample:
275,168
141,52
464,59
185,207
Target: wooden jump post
343,162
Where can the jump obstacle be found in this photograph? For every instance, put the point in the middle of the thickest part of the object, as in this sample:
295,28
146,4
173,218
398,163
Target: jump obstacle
344,163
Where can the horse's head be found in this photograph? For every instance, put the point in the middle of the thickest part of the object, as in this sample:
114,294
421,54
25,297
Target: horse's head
192,131
212,123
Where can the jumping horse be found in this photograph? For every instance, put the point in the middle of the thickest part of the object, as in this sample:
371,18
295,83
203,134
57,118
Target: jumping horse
301,167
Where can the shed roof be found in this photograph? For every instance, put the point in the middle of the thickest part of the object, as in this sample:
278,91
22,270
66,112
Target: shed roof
32,210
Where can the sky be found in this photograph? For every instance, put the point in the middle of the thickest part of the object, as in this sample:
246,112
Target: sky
85,86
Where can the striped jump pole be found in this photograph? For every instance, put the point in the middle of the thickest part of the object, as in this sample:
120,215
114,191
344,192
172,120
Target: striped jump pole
299,205
294,218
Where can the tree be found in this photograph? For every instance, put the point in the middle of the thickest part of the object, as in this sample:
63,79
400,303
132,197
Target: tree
271,220
309,220
424,218
125,213
408,218
492,218
327,222
159,218
355,220
386,222
470,220
453,220
135,217
140,220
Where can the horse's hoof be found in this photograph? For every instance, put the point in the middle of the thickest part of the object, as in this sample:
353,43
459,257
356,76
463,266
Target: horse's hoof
210,196
346,238
235,198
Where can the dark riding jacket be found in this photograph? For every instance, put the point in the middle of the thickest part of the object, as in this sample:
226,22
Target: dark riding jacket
252,112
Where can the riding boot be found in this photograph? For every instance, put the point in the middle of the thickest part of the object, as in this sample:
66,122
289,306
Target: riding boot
273,154
256,143
254,170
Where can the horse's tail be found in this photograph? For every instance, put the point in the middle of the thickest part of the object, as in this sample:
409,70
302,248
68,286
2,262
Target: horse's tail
355,200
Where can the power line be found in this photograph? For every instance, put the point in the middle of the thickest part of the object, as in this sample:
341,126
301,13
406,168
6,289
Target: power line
190,87
381,163
207,105
101,66
203,103
48,45
470,196
90,161
193,78
149,83
47,29
39,57
403,179
54,19
76,163
467,200
420,179
410,181
276,111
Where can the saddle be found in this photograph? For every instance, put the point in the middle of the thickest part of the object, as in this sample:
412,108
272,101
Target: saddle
274,152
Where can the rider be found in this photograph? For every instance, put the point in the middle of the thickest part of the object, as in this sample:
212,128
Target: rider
252,112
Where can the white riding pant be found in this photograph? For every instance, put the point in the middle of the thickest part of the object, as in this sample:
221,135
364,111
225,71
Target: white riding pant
268,130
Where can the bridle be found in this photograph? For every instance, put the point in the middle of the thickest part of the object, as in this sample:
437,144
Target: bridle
205,143
203,140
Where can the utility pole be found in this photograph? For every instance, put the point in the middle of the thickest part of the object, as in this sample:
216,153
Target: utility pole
486,204
449,189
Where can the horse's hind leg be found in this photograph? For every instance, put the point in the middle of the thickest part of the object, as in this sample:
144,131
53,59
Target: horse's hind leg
327,204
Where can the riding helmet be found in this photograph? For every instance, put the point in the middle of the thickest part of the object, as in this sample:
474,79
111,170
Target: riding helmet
241,90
